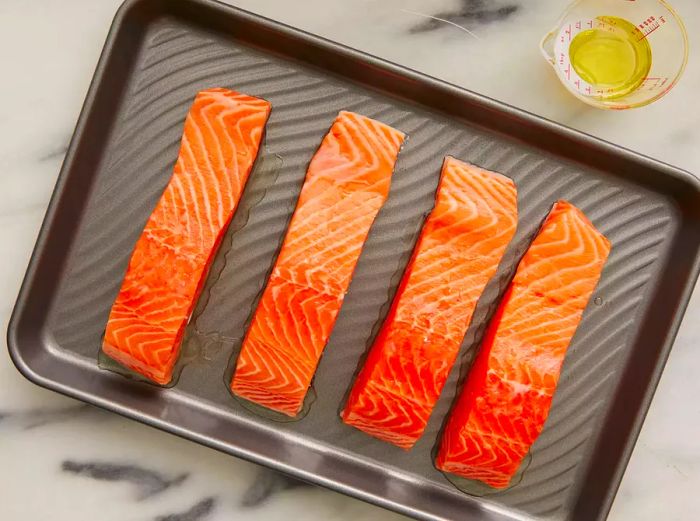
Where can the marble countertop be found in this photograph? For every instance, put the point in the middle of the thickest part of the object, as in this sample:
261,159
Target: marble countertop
65,460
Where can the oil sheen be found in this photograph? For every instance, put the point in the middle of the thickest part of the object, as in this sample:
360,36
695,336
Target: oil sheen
614,57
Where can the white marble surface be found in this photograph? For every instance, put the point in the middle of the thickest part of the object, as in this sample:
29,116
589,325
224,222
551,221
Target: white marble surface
62,460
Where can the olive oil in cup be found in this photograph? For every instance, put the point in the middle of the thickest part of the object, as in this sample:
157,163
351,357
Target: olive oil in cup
614,56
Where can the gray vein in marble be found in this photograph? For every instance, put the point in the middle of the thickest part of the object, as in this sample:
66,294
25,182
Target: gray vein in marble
469,12
199,511
33,418
436,19
266,484
148,482
55,153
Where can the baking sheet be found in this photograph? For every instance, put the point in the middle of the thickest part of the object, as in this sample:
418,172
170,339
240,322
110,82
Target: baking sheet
158,55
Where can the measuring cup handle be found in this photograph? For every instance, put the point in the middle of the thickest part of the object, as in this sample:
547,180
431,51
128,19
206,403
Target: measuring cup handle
544,43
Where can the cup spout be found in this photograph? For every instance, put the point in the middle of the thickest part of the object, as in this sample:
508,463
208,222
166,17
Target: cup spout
547,47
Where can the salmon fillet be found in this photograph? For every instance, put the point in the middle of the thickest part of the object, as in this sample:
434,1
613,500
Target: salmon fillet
169,264
506,399
346,184
458,251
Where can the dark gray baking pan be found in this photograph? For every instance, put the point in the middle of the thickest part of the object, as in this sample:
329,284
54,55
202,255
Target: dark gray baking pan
157,55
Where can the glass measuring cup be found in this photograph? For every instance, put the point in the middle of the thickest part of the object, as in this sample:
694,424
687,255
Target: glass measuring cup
654,21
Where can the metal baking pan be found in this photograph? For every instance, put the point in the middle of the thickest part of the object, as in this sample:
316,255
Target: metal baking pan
157,55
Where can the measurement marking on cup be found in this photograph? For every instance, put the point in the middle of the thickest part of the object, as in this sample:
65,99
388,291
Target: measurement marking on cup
653,82
654,27
650,25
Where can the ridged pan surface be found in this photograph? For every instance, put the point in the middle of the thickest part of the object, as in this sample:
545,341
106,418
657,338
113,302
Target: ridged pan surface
110,195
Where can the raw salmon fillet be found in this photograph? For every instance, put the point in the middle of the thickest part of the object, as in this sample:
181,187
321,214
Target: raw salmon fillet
346,184
458,251
169,264
506,399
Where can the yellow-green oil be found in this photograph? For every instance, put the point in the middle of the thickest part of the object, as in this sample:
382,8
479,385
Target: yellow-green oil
613,56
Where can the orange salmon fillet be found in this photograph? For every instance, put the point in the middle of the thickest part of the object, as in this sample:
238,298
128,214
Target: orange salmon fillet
169,264
346,184
458,251
506,399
